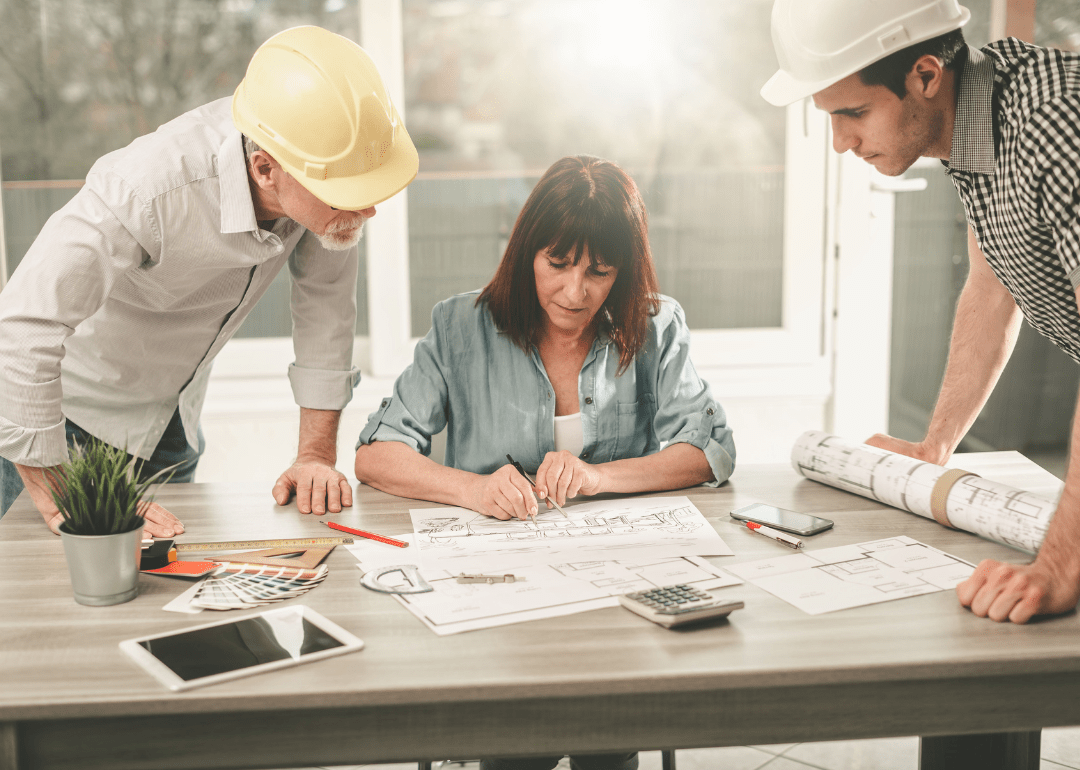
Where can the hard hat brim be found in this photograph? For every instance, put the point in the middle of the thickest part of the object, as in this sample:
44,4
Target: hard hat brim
355,193
782,89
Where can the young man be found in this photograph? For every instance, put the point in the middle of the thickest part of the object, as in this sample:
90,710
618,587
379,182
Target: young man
110,324
899,83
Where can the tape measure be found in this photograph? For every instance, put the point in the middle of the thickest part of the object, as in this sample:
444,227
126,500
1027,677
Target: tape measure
240,545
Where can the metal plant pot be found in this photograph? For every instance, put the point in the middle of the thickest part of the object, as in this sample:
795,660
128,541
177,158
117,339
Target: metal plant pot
104,568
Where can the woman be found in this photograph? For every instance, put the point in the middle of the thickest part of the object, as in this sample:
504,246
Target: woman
570,361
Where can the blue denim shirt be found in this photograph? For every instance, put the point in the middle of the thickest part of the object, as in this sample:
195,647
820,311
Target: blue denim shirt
496,399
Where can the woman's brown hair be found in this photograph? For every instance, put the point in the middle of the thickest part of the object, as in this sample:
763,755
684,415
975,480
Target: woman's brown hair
580,204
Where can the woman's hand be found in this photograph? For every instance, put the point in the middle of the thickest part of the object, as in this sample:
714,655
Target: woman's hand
505,494
562,476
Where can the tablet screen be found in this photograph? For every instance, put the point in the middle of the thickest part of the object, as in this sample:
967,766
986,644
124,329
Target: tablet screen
248,642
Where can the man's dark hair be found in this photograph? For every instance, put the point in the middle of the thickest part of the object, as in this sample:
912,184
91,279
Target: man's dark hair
892,71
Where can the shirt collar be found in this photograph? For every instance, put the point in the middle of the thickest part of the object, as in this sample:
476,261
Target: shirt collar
973,127
237,210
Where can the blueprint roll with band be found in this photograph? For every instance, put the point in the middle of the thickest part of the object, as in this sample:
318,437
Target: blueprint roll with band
950,496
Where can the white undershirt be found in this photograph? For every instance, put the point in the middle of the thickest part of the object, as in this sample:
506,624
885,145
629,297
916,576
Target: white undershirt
568,434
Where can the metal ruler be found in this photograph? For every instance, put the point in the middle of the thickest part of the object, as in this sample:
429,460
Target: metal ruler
240,545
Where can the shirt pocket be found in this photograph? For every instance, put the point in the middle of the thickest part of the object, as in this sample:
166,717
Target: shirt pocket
634,427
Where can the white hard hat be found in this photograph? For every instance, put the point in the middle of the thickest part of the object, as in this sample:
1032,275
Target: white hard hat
315,101
820,42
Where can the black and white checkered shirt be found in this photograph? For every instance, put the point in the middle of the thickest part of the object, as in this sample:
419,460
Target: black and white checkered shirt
1016,163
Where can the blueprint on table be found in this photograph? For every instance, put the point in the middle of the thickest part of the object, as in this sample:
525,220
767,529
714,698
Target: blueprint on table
542,591
460,540
993,510
848,576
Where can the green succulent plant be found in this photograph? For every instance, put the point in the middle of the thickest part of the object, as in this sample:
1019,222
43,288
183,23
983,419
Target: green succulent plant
98,490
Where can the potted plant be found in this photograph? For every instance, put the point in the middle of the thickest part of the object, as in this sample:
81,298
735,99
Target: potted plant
100,498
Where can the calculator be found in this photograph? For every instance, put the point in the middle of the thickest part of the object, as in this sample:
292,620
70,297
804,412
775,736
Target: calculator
678,605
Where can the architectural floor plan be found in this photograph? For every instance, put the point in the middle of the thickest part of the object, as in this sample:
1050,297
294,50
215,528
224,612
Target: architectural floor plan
540,591
457,539
848,576
995,511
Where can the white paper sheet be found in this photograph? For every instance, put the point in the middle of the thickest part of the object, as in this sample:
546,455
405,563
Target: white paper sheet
460,540
546,591
993,510
856,575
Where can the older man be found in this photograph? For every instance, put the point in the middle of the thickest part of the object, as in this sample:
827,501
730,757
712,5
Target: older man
899,83
110,324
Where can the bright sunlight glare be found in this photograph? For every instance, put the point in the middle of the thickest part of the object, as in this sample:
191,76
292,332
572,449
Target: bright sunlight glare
621,34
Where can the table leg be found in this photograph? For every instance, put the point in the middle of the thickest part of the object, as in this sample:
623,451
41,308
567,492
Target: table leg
667,759
9,746
988,751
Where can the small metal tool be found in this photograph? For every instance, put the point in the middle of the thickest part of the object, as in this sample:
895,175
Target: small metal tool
463,578
414,583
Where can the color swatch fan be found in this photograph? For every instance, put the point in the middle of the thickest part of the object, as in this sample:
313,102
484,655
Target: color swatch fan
238,586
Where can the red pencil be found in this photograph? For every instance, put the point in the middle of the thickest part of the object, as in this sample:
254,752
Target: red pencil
369,535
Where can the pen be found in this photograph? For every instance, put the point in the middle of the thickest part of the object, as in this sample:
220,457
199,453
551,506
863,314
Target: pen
780,537
369,535
532,481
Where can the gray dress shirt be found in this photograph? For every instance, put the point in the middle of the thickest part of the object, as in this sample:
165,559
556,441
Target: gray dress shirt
114,316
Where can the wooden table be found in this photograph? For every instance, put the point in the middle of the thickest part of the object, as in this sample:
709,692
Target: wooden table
598,681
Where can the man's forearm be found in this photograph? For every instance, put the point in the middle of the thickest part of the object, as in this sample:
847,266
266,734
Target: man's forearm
984,334
1061,546
318,435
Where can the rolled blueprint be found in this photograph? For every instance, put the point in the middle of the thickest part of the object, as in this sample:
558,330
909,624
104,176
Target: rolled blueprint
953,497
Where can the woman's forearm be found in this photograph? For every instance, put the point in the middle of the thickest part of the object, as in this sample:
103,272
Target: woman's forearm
676,466
398,469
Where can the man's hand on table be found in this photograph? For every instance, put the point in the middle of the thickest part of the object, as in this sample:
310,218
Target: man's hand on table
318,485
920,451
1019,592
159,521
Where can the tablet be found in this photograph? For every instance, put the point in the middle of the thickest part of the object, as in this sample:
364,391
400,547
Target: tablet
229,649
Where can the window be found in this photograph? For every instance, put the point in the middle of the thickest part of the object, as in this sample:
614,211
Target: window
495,91
80,78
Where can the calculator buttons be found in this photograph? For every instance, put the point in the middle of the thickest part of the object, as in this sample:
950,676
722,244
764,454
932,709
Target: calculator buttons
677,604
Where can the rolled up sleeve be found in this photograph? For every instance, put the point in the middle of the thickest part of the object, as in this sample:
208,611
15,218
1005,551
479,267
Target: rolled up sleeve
686,412
418,408
323,305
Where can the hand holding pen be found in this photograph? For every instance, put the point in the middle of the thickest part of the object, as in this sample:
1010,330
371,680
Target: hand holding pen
532,481
503,494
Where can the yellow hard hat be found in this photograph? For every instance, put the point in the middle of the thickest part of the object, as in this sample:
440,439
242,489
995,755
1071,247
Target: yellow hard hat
821,42
315,101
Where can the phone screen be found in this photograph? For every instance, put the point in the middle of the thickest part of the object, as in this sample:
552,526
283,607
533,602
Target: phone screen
782,519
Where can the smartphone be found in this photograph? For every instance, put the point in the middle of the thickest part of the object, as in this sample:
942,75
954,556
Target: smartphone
782,519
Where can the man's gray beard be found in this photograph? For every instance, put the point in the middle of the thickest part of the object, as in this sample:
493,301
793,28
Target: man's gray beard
332,241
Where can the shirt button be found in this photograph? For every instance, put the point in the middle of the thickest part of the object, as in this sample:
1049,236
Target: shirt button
385,404
588,401
584,455
709,411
